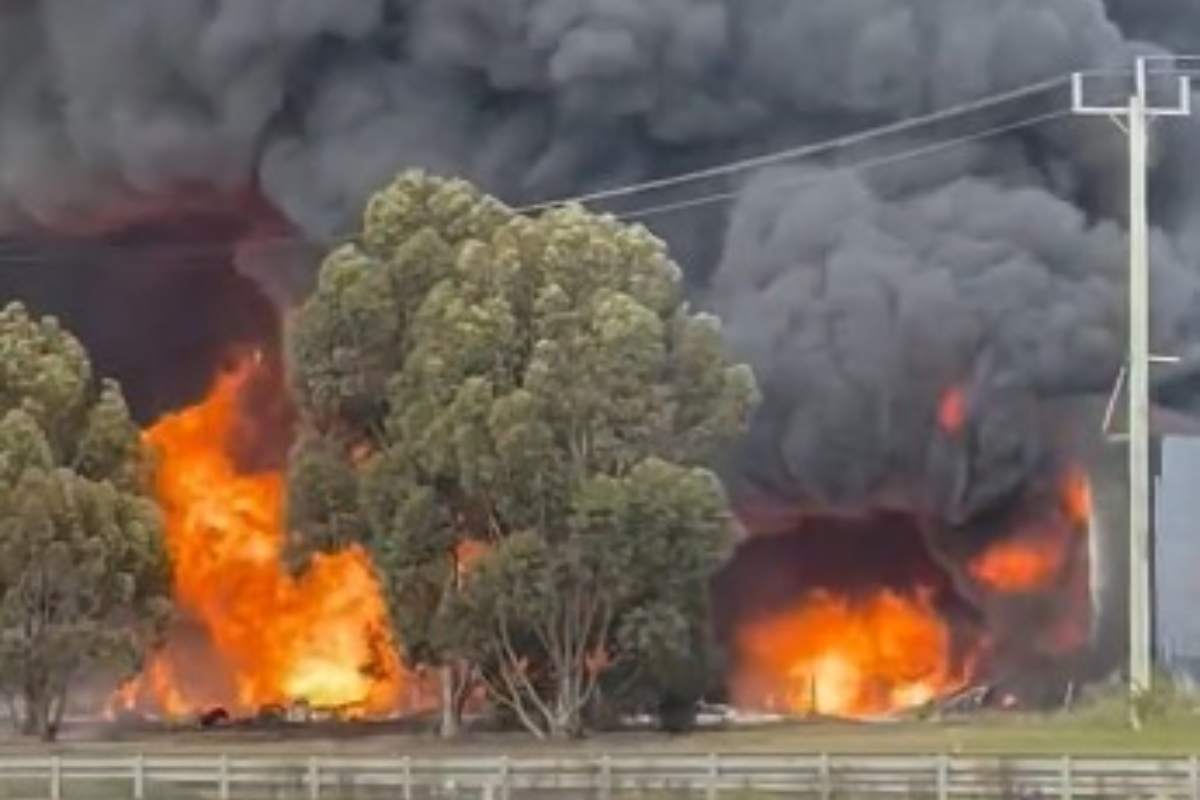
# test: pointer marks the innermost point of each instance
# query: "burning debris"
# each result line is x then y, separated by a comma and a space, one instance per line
214, 718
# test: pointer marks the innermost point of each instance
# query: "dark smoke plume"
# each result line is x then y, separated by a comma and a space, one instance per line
859, 297
111, 105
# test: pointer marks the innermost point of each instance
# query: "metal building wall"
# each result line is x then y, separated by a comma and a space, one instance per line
1177, 550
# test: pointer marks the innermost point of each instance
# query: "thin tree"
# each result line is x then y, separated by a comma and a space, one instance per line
84, 580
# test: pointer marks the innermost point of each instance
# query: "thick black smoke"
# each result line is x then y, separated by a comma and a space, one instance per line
1175, 23
859, 297
157, 306
110, 105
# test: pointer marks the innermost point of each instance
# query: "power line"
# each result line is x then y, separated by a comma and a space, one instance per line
182, 253
906, 155
809, 150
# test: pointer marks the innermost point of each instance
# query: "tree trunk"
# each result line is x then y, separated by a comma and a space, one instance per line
566, 726
13, 706
451, 718
567, 722
49, 731
462, 694
37, 713
29, 721
54, 718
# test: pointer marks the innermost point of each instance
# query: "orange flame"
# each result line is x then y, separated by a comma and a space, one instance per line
467, 553
851, 658
1034, 560
322, 637
952, 411
1076, 496
1020, 565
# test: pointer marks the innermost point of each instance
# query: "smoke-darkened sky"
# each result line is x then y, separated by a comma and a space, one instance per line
858, 297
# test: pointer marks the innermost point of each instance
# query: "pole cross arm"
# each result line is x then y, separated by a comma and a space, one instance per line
1181, 80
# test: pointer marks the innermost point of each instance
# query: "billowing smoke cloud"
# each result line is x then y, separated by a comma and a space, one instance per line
860, 297
862, 310
111, 105
1175, 23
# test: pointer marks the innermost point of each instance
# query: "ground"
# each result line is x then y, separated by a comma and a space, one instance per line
1099, 730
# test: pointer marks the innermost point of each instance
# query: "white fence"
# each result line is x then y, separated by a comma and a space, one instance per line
603, 777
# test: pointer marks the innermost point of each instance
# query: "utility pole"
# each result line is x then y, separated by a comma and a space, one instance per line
1134, 120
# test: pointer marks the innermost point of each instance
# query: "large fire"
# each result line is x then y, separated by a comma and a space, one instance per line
863, 621
322, 637
850, 657
260, 636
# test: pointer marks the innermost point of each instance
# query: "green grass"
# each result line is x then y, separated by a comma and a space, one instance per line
1014, 734
100, 790
1098, 727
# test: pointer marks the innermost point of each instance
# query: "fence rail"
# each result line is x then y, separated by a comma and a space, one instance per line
500, 778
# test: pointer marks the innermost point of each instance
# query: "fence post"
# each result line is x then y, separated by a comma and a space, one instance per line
139, 777
314, 778
1194, 777
223, 778
55, 778
504, 778
606, 777
943, 777
408, 778
1067, 790
823, 777
714, 774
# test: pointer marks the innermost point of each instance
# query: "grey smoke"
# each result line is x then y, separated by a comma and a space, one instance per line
110, 104
861, 310
859, 297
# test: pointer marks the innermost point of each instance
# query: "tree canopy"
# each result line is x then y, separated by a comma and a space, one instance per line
84, 580
516, 416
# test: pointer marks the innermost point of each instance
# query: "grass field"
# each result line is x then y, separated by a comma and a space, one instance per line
1099, 729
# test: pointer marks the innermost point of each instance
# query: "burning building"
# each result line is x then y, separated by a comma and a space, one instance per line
924, 491
874, 610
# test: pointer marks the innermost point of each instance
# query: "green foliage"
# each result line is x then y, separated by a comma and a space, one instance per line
84, 580
324, 493
1112, 706
1160, 701
536, 385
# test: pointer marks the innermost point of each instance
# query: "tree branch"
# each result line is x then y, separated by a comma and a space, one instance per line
512, 702
592, 679
510, 655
